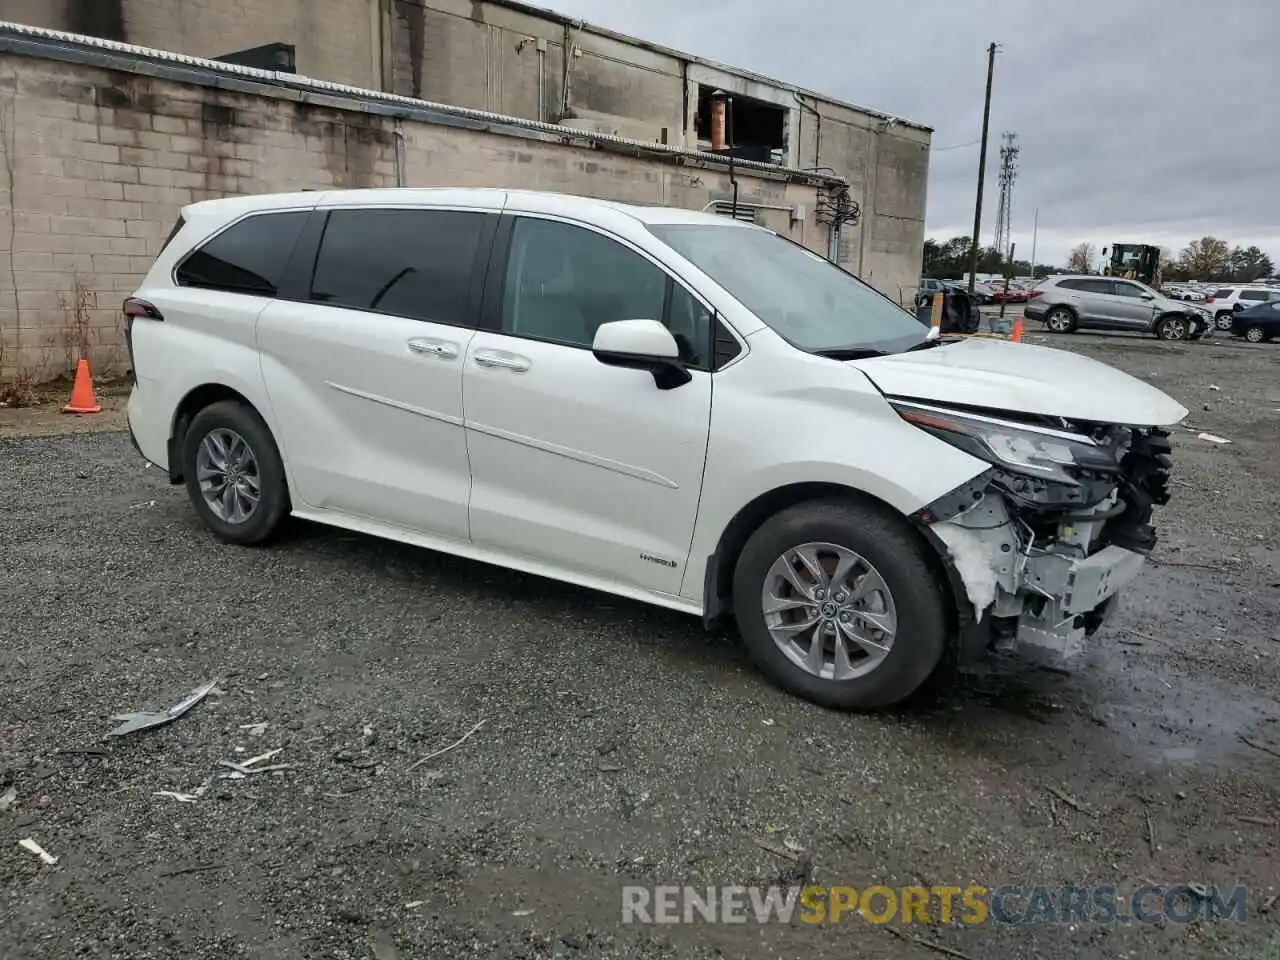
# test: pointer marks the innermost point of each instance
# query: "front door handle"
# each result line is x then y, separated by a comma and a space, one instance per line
501, 360
433, 348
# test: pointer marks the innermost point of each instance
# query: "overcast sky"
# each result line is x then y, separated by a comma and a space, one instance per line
1140, 120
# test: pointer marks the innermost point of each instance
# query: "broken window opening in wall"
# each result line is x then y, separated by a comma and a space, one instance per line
759, 128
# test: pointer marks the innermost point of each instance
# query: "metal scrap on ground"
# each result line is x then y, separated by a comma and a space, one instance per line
133, 722
457, 743
248, 768
32, 847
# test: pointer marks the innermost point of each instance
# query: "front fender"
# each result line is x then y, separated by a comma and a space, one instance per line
843, 435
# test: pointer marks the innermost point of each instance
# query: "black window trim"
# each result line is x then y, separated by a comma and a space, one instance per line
495, 288
205, 241
295, 286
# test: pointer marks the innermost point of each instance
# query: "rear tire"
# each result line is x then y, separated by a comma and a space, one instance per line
888, 583
234, 474
1060, 320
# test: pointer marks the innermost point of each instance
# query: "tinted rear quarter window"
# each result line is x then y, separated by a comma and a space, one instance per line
1071, 284
407, 263
1222, 294
248, 257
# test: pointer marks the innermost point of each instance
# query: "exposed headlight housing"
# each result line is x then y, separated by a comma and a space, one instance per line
1020, 448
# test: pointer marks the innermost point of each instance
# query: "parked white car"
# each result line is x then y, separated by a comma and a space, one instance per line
1225, 301
669, 406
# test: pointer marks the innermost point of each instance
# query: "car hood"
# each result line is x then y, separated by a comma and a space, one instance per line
999, 375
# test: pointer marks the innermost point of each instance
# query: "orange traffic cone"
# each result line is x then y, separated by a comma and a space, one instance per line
1017, 331
82, 399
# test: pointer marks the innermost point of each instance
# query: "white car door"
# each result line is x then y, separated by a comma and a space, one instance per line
363, 366
577, 465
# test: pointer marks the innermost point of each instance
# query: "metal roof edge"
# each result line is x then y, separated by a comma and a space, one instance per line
37, 42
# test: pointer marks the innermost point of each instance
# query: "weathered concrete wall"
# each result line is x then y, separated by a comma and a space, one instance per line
492, 55
98, 162
336, 40
486, 56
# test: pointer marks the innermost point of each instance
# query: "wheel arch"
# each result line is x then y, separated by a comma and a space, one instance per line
195, 400
718, 574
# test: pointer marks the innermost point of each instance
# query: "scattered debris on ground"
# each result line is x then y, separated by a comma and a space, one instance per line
135, 722
32, 847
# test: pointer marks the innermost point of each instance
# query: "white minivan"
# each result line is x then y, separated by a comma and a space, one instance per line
670, 406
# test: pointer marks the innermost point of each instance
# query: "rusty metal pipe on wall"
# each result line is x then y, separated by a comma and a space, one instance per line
719, 114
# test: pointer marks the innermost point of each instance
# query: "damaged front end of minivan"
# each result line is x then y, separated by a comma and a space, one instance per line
1042, 542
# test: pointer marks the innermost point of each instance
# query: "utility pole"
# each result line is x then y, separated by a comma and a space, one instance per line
1035, 232
982, 167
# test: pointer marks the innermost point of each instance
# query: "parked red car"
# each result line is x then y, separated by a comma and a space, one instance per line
1015, 293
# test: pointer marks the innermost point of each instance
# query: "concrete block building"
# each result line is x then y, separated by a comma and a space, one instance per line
134, 107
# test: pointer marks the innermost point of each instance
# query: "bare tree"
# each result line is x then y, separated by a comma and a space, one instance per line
1082, 257
1207, 259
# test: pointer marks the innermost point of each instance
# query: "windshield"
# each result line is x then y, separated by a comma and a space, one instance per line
803, 297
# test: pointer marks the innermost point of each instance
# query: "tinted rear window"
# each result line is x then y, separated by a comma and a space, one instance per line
248, 257
408, 263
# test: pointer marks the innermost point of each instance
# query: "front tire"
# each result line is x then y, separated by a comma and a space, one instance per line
234, 474
1223, 320
1172, 328
838, 604
1255, 335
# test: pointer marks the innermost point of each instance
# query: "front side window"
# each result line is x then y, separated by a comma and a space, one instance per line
406, 263
803, 297
249, 257
563, 282
1098, 286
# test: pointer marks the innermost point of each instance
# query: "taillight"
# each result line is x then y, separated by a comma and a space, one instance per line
1032, 294
1208, 299
133, 309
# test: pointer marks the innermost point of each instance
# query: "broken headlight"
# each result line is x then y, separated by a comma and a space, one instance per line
1021, 448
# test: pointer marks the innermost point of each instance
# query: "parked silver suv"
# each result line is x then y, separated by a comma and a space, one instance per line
1065, 304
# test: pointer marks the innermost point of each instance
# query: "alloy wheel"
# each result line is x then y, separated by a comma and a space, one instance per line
1059, 321
829, 611
1254, 335
1223, 321
228, 475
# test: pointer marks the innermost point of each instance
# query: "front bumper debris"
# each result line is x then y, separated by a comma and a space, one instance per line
1039, 576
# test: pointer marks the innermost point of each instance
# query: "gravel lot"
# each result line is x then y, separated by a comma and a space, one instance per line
620, 744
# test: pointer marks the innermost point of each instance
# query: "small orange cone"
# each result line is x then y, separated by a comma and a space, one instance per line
1017, 331
82, 399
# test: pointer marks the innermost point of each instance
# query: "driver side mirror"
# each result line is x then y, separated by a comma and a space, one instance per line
1148, 296
642, 345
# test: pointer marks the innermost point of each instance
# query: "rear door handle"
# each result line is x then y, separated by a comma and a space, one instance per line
427, 347
501, 360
